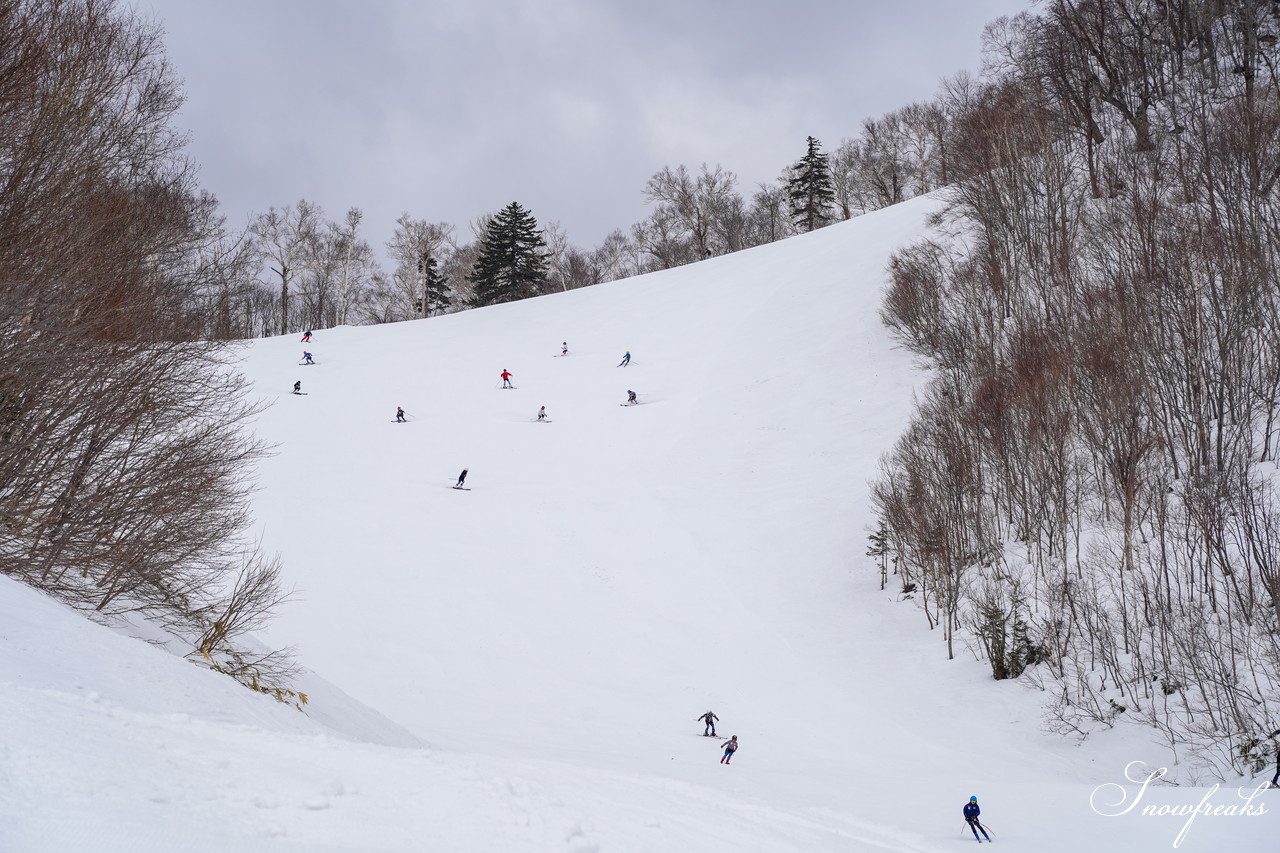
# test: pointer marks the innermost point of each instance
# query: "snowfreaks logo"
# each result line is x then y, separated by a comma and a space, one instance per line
1112, 800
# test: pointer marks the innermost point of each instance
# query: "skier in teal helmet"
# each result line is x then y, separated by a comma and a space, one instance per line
971, 813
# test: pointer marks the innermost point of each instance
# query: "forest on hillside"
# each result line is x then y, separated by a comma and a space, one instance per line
293, 268
1087, 493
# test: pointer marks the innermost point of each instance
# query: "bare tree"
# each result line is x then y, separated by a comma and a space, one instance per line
696, 204
287, 240
617, 256
558, 253
354, 262
123, 449
415, 246
769, 219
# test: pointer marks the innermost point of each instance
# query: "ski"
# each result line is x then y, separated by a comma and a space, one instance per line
463, 488
300, 393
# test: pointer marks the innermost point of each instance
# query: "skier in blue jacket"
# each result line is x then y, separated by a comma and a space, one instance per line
971, 813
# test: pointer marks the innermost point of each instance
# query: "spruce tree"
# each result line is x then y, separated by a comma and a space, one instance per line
810, 189
510, 265
437, 288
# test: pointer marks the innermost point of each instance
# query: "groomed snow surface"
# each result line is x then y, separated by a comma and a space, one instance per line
521, 665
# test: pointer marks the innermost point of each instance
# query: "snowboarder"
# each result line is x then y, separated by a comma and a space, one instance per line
971, 813
297, 387
306, 358
306, 336
730, 747
399, 414
564, 348
462, 478
631, 398
626, 359
542, 413
710, 729
506, 379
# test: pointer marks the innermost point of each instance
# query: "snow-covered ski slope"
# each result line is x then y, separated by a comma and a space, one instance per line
551, 635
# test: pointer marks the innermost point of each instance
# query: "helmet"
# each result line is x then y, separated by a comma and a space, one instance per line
973, 799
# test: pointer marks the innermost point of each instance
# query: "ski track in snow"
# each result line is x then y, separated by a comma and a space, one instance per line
520, 669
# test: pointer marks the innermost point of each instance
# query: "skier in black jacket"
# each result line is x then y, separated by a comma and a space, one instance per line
710, 719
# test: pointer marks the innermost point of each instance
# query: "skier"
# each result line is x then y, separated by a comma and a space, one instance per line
462, 478
306, 336
971, 812
506, 379
399, 414
626, 359
707, 256
564, 348
306, 358
631, 398
297, 387
730, 747
542, 413
1275, 780
710, 729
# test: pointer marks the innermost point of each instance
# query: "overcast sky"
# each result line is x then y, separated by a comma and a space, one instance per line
450, 109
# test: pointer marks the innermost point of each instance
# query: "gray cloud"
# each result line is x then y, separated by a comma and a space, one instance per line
450, 109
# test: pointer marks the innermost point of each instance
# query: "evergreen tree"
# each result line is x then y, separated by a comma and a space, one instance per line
437, 288
810, 189
510, 265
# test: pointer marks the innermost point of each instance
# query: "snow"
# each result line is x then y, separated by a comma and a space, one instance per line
519, 667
